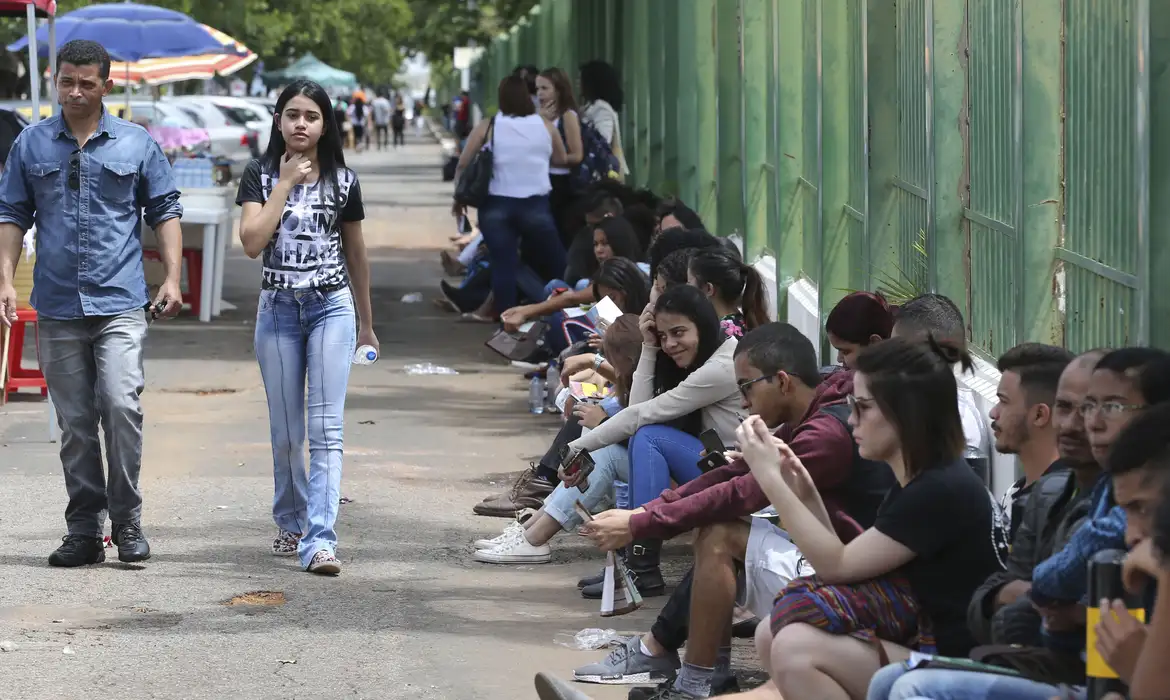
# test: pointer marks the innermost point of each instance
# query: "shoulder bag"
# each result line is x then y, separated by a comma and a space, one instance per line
472, 188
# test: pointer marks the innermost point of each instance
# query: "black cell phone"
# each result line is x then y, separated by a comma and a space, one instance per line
714, 447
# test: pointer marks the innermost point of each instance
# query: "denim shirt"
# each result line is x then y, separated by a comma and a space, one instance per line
89, 239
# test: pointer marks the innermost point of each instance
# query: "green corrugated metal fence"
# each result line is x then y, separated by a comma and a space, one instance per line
1012, 141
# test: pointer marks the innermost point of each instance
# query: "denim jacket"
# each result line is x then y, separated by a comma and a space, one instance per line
86, 204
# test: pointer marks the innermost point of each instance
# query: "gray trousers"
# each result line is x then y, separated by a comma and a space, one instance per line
93, 367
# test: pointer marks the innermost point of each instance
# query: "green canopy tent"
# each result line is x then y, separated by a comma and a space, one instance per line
312, 68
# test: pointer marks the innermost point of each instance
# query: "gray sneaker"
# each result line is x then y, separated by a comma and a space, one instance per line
627, 665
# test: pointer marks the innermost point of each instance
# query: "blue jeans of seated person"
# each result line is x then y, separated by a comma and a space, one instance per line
896, 682
659, 453
512, 224
611, 464
561, 335
306, 336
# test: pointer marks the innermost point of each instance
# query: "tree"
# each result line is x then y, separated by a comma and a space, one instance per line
440, 27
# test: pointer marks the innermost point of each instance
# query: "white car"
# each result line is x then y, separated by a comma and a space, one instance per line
229, 140
251, 114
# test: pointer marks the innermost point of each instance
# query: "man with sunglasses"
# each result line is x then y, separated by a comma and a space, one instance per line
85, 178
776, 368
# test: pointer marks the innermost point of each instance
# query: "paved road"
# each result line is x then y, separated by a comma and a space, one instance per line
410, 617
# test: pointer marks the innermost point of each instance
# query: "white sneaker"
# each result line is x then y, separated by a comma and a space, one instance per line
513, 527
515, 550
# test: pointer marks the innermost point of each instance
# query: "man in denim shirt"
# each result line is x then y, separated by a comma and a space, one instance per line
82, 178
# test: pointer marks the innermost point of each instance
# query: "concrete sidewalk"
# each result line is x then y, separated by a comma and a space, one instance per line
411, 615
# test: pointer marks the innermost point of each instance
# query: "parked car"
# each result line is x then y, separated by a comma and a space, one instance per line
228, 139
251, 114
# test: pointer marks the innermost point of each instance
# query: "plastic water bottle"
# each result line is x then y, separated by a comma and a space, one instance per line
552, 385
536, 395
365, 355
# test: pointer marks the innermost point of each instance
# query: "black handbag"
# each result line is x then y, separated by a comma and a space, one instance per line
472, 188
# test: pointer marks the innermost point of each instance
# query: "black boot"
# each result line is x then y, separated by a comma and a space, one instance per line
642, 561
643, 564
78, 550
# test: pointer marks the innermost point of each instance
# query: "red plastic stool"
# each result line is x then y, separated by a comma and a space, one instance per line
20, 377
194, 260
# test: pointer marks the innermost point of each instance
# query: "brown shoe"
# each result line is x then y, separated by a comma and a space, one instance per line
529, 491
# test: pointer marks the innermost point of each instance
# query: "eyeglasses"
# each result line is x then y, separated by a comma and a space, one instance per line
1108, 409
858, 403
75, 171
745, 386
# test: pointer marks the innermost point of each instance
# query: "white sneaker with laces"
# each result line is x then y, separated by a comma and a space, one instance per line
513, 527
515, 550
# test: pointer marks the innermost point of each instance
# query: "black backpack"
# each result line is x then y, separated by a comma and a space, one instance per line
868, 481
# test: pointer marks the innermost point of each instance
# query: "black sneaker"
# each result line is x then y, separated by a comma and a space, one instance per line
132, 544
78, 550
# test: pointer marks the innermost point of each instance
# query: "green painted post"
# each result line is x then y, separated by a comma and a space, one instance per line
686, 116
671, 96
1159, 286
643, 86
949, 259
793, 129
758, 118
707, 111
883, 142
730, 89
630, 76
657, 95
1043, 155
838, 248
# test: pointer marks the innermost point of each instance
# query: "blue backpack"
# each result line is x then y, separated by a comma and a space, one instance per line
598, 164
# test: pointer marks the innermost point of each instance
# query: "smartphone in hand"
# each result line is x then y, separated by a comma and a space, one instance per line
713, 446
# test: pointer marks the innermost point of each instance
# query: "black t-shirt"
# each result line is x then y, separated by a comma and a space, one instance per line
305, 250
956, 530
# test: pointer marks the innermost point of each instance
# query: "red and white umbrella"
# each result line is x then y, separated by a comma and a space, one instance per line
158, 71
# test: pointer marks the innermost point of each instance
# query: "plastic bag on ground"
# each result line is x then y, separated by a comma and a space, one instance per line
586, 639
427, 368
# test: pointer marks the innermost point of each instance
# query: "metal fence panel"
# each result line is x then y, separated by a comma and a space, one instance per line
1100, 251
994, 171
914, 179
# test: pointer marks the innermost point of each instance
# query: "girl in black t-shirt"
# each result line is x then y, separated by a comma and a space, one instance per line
302, 214
939, 528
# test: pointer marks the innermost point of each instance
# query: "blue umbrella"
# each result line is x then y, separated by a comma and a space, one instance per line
131, 32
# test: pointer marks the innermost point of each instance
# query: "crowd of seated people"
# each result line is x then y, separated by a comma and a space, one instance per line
851, 529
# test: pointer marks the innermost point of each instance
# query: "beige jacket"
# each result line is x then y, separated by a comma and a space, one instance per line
710, 388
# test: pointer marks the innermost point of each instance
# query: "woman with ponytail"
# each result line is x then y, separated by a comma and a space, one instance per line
735, 289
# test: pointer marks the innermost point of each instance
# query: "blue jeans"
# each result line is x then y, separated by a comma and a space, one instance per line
510, 225
306, 334
896, 682
612, 463
659, 453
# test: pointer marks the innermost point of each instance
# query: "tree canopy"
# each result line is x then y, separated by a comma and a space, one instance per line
370, 38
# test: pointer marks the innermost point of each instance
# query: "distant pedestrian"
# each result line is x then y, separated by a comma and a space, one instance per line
302, 211
398, 122
83, 178
382, 112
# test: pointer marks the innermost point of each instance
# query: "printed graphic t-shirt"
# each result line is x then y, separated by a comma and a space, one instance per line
305, 250
951, 522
